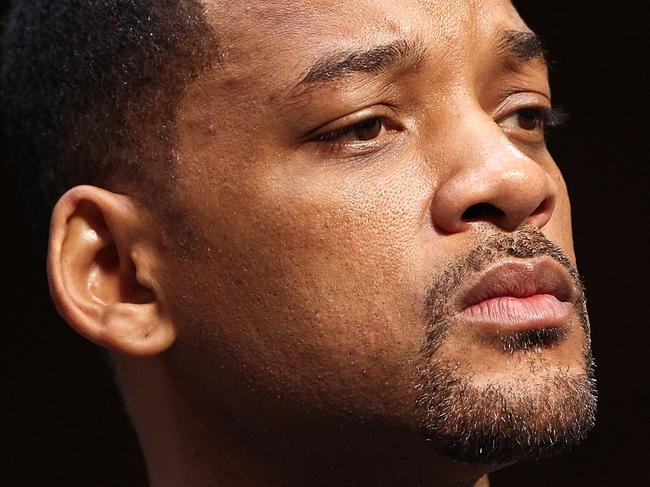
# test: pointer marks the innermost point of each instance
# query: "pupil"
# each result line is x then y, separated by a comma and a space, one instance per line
368, 129
529, 119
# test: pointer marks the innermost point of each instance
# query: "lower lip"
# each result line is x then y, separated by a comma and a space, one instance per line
515, 313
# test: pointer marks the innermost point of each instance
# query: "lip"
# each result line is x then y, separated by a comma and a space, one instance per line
519, 294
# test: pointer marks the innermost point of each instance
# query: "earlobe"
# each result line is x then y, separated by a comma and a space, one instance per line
100, 269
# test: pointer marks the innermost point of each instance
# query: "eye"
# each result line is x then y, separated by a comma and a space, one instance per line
363, 131
530, 118
533, 119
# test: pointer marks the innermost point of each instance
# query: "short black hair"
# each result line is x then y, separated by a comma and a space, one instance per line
90, 89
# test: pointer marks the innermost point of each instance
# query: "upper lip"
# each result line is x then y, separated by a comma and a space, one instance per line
519, 278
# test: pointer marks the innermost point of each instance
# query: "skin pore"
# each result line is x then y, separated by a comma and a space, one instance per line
337, 164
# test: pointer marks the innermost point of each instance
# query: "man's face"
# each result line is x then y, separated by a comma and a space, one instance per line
351, 178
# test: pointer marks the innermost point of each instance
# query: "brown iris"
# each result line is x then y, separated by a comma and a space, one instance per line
367, 130
529, 119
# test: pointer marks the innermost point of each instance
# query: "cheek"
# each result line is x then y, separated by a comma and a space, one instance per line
309, 286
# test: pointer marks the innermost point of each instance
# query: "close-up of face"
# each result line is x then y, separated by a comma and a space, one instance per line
372, 230
360, 244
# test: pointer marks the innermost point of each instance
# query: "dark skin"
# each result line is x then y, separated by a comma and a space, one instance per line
276, 345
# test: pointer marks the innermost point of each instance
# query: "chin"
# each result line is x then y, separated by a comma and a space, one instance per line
535, 408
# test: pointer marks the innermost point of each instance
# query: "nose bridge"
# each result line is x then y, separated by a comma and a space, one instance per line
489, 178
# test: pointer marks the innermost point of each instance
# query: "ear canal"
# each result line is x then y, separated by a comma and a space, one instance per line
127, 287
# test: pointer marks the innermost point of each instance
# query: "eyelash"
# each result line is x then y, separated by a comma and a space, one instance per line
548, 117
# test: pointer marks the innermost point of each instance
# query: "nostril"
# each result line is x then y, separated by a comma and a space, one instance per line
541, 215
482, 211
543, 206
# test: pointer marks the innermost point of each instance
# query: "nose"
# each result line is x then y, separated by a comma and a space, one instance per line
490, 180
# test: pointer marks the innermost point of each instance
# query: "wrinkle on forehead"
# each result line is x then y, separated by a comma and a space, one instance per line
271, 42
283, 37
292, 24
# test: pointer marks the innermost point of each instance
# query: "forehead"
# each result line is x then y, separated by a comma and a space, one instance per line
274, 30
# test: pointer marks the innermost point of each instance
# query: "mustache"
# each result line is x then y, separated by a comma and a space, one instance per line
527, 242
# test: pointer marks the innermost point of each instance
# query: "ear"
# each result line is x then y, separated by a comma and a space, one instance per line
101, 270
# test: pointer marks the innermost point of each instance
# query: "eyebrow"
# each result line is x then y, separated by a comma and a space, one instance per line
336, 66
521, 46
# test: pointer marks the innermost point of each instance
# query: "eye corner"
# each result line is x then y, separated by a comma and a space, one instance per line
555, 117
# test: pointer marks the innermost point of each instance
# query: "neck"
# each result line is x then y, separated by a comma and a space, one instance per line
183, 447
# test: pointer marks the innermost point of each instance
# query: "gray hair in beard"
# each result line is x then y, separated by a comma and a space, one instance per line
495, 424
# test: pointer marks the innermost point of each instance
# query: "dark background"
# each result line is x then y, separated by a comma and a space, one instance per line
63, 424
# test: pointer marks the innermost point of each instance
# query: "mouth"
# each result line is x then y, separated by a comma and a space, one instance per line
519, 295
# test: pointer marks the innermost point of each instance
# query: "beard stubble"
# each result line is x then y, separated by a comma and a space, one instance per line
498, 423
